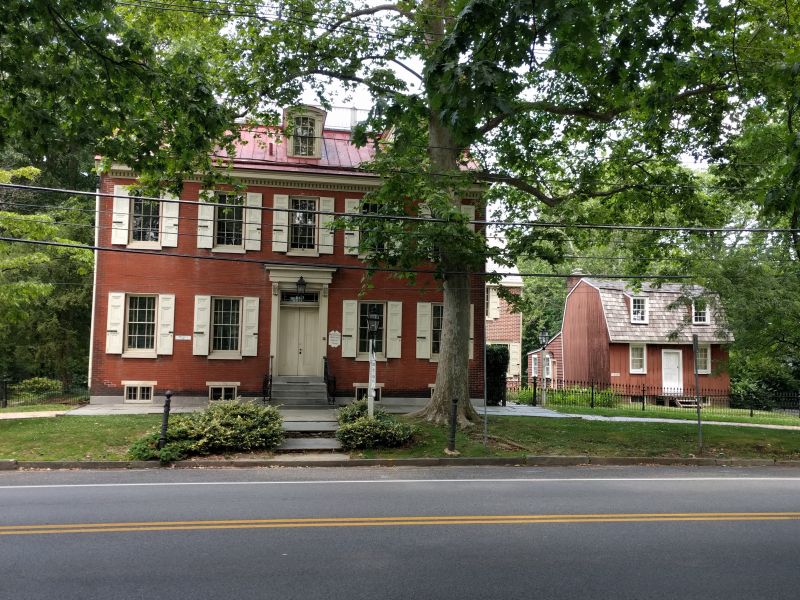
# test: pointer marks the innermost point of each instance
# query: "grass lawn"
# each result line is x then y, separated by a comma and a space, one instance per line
37, 407
72, 438
109, 437
513, 436
728, 415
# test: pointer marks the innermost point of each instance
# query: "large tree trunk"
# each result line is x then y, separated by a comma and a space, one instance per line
452, 374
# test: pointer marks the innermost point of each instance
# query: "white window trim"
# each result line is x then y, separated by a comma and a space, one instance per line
140, 352
434, 356
319, 124
232, 248
706, 348
365, 387
379, 356
303, 251
548, 365
146, 245
222, 384
643, 370
707, 319
646, 320
225, 354
138, 385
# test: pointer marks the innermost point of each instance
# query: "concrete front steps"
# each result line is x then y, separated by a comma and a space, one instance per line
310, 429
306, 392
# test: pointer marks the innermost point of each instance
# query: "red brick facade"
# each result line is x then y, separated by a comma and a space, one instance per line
175, 278
504, 326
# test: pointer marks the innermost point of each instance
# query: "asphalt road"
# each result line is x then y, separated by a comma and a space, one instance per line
435, 533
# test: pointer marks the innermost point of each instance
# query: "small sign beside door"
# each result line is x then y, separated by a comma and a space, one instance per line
334, 339
183, 338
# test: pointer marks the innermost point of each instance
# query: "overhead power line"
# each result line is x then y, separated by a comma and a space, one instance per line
491, 223
319, 265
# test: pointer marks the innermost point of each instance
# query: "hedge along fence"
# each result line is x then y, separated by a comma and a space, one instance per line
40, 390
496, 368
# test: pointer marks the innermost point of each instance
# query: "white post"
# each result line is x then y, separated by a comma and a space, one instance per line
371, 388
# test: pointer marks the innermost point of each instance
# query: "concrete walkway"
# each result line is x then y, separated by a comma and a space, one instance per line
296, 418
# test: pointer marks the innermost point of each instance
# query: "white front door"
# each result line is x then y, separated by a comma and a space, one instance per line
298, 345
672, 371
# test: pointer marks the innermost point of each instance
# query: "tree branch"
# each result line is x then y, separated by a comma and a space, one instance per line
345, 77
587, 112
369, 11
551, 201
395, 61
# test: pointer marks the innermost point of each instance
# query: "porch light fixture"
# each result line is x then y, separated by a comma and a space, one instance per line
543, 337
301, 286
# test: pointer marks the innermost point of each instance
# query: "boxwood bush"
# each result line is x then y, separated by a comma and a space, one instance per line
358, 432
229, 426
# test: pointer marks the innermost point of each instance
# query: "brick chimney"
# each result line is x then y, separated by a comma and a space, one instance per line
574, 279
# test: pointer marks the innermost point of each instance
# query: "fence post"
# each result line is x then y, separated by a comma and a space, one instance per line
644, 391
751, 405
535, 385
592, 400
798, 404
3, 393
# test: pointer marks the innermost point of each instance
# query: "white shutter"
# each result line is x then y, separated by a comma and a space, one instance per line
349, 328
394, 329
205, 220
326, 226
252, 219
250, 327
121, 216
280, 223
468, 210
115, 323
514, 350
494, 303
170, 215
423, 329
202, 325
166, 323
352, 237
471, 331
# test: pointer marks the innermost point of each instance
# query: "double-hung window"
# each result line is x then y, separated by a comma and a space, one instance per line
437, 320
302, 224
228, 221
700, 313
365, 309
145, 221
638, 358
303, 136
225, 325
222, 391
639, 310
704, 360
140, 326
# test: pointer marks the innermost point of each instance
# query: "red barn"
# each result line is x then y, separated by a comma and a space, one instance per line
613, 334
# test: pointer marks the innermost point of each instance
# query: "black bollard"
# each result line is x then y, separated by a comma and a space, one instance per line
451, 439
162, 439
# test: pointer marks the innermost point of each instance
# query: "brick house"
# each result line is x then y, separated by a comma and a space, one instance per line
504, 327
213, 295
615, 335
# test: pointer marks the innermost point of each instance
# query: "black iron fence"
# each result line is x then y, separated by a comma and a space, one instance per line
40, 392
624, 399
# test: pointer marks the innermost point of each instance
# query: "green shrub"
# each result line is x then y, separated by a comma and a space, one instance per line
365, 433
578, 396
38, 387
523, 396
230, 426
357, 410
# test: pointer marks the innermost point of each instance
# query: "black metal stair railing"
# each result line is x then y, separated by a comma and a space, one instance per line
266, 385
330, 381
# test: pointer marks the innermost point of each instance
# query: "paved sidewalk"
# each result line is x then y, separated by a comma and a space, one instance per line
32, 414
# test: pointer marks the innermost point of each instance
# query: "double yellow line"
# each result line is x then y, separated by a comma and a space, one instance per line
59, 528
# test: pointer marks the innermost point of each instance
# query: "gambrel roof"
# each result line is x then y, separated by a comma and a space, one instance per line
669, 308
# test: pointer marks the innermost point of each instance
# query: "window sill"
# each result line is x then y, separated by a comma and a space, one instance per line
140, 354
637, 372
145, 245
640, 323
296, 252
225, 356
365, 358
229, 249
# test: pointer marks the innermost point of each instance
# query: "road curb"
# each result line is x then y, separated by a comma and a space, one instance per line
503, 461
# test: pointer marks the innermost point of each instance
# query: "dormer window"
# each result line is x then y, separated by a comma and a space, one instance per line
700, 313
639, 310
304, 126
303, 137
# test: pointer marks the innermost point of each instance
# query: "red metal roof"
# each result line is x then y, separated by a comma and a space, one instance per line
259, 149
